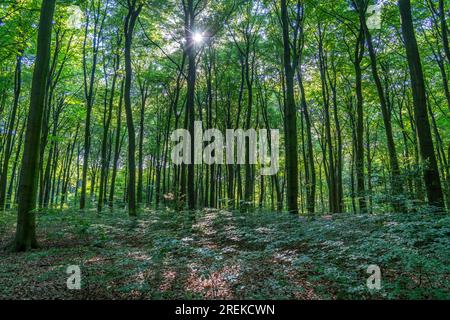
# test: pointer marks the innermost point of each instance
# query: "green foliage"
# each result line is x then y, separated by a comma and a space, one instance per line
259, 255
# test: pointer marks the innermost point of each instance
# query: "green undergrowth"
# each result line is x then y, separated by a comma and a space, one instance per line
217, 254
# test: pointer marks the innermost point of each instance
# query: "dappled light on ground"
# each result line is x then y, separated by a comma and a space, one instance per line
228, 255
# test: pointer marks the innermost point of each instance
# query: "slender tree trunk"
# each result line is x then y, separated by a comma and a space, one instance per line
332, 186
396, 178
89, 80
13, 173
190, 100
291, 118
338, 166
106, 125
67, 174
141, 150
130, 21
10, 133
359, 147
310, 170
116, 147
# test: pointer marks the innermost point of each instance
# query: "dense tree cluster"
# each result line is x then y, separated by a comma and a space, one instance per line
91, 90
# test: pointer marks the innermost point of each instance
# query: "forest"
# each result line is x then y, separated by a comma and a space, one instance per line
351, 96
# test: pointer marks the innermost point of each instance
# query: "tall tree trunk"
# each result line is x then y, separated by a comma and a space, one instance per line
190, 100
130, 22
396, 179
26, 224
249, 184
141, 149
426, 146
291, 118
106, 124
338, 166
89, 80
116, 147
359, 146
332, 186
310, 170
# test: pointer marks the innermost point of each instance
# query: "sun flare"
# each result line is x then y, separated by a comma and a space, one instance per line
198, 37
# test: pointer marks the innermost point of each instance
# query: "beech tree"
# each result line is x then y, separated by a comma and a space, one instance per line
28, 185
426, 144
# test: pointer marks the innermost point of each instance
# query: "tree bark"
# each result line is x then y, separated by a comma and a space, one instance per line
290, 119
106, 124
26, 224
130, 22
396, 179
359, 146
116, 147
190, 100
426, 146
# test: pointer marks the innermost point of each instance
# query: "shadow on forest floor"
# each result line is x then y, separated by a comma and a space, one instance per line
228, 255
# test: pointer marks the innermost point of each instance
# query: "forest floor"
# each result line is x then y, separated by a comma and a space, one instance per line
228, 255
